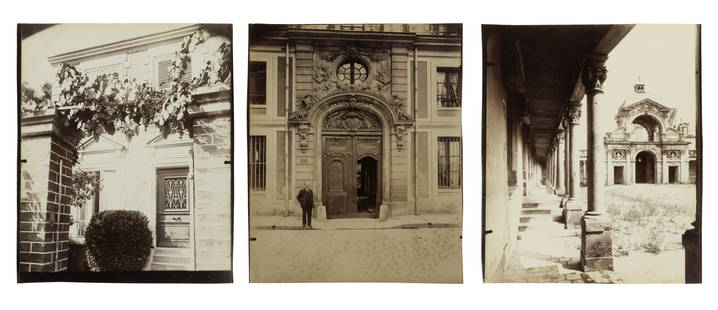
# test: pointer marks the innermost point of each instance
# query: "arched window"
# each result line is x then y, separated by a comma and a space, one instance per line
352, 71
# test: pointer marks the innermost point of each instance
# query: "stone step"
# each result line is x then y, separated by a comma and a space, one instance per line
173, 251
172, 259
530, 219
533, 265
167, 266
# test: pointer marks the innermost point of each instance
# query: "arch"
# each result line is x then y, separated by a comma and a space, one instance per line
652, 125
645, 167
382, 121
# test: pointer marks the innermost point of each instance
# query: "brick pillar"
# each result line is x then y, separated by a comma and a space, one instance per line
596, 242
47, 153
210, 117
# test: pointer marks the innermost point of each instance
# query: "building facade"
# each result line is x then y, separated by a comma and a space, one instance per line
182, 183
648, 146
368, 115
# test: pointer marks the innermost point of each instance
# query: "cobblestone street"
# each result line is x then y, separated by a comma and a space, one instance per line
357, 255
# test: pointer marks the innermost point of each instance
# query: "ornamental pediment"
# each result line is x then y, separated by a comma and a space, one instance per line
646, 106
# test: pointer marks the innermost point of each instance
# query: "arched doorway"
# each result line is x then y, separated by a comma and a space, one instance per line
645, 168
351, 168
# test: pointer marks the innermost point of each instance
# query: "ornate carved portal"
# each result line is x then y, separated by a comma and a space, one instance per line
352, 164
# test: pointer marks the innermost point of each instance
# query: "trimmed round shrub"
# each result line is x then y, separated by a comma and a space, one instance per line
118, 240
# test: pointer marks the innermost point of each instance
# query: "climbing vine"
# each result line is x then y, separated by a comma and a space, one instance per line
107, 104
84, 185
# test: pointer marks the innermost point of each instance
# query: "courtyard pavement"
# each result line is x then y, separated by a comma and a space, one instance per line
293, 222
335, 253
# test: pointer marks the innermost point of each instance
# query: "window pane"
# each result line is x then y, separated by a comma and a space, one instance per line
257, 84
448, 87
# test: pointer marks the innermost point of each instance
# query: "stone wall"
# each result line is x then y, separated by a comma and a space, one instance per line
47, 154
212, 172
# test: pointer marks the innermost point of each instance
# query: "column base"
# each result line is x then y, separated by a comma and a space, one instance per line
320, 212
572, 212
692, 245
384, 213
596, 245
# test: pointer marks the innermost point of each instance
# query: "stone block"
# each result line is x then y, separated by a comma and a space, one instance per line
384, 213
572, 213
320, 212
596, 243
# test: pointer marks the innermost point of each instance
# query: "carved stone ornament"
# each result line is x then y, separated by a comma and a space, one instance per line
593, 75
574, 114
673, 154
400, 132
350, 50
303, 131
352, 120
618, 154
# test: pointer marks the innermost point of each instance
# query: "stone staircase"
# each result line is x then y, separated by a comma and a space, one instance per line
178, 259
539, 216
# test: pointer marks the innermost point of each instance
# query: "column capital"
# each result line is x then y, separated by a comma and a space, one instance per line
574, 113
594, 73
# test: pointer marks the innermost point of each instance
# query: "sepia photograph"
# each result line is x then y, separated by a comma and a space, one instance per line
125, 152
592, 153
355, 153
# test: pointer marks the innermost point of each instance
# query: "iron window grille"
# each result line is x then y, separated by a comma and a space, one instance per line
257, 84
449, 172
257, 162
448, 87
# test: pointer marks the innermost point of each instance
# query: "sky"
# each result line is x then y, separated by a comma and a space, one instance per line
663, 56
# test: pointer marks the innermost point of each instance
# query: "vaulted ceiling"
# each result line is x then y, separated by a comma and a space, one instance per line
543, 64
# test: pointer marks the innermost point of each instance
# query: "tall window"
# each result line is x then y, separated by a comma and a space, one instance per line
257, 162
352, 71
257, 84
449, 162
83, 215
448, 87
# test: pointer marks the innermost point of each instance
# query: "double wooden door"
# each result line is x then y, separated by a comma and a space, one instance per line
351, 175
173, 209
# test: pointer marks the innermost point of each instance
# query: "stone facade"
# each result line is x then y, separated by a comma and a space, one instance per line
648, 145
398, 87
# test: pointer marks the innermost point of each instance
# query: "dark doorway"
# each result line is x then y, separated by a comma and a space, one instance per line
618, 175
645, 168
673, 174
692, 171
366, 185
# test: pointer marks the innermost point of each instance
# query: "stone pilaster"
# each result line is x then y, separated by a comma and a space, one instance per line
47, 154
211, 121
596, 248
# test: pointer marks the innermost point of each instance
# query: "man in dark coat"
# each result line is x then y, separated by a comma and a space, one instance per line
306, 200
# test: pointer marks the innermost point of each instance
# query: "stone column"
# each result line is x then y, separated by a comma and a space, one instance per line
211, 132
574, 206
560, 190
566, 160
47, 154
596, 251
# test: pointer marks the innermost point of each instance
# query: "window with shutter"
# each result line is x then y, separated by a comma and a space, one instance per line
164, 77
